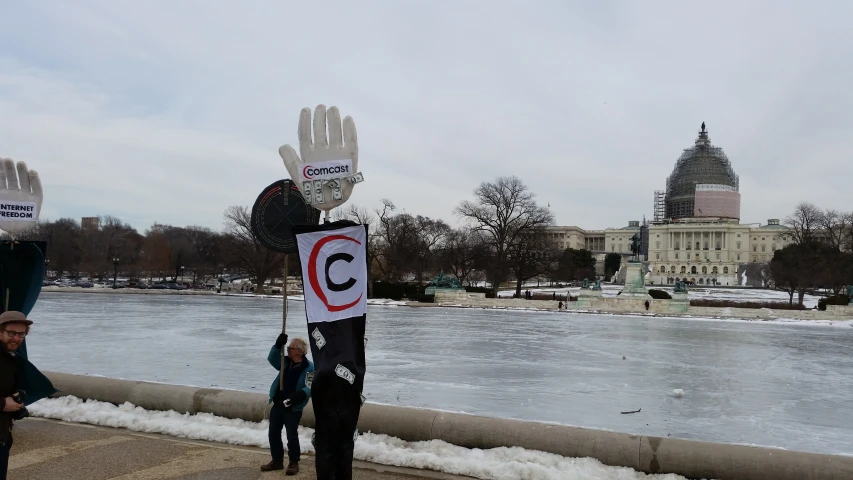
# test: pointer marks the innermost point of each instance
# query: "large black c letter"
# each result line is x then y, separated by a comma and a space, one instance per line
338, 287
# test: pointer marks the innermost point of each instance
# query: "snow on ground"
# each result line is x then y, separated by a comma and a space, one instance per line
695, 293
497, 463
385, 302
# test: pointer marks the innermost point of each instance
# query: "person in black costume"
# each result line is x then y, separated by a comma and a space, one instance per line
337, 405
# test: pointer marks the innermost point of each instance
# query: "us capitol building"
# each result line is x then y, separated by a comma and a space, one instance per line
696, 234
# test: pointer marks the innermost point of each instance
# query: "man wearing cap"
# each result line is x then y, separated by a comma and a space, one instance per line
14, 326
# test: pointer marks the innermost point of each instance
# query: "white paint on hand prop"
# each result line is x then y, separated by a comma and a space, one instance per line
334, 266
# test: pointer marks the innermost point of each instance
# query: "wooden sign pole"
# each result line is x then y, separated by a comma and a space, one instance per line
283, 320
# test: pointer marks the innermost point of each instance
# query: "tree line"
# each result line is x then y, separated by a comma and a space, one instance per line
504, 236
820, 255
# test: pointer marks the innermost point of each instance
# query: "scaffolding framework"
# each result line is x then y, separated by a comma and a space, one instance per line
660, 206
703, 163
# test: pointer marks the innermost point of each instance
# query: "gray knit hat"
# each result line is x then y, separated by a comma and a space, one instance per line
14, 317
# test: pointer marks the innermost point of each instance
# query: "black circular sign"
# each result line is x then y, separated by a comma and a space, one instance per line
278, 208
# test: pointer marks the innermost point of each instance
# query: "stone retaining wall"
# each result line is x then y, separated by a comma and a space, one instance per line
647, 454
662, 307
127, 291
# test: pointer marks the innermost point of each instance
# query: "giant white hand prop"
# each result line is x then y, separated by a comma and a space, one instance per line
328, 169
20, 197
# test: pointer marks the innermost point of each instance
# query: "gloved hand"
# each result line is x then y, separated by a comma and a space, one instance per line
24, 189
340, 145
278, 397
281, 340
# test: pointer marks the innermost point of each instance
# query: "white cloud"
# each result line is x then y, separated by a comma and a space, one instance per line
173, 111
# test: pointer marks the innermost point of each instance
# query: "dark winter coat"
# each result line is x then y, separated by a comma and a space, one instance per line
8, 387
303, 383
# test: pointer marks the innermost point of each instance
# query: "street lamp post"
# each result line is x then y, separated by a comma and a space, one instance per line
221, 274
115, 271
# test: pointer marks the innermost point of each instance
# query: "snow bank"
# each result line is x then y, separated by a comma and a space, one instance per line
301, 298
696, 292
497, 463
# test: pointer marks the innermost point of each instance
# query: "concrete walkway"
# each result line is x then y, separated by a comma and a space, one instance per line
53, 450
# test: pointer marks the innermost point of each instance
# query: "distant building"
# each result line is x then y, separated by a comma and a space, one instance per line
610, 240
599, 242
696, 235
92, 223
701, 239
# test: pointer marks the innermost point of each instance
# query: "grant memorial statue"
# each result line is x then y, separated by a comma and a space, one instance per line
445, 288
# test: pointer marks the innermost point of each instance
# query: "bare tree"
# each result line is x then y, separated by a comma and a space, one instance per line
155, 255
355, 213
398, 242
804, 224
833, 228
429, 234
504, 210
461, 252
180, 248
532, 254
382, 232
63, 245
112, 239
207, 255
255, 259
364, 216
847, 242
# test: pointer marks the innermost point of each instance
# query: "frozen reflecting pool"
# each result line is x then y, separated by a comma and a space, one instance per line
788, 386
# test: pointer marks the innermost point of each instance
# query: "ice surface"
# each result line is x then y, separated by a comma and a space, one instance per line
763, 383
497, 463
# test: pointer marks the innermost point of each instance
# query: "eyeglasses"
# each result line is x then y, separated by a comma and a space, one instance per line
294, 348
14, 334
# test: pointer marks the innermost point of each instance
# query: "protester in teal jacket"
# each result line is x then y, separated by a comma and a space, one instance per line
288, 398
302, 384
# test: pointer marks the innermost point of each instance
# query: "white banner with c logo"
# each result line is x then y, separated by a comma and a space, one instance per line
334, 273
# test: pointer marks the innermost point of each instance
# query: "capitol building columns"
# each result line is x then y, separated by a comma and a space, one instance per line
694, 250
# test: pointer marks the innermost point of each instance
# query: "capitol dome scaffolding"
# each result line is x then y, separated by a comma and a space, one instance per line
703, 164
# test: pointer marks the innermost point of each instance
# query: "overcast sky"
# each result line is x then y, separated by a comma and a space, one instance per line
171, 111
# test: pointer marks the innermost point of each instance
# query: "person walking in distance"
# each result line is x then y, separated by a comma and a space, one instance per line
288, 398
14, 326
